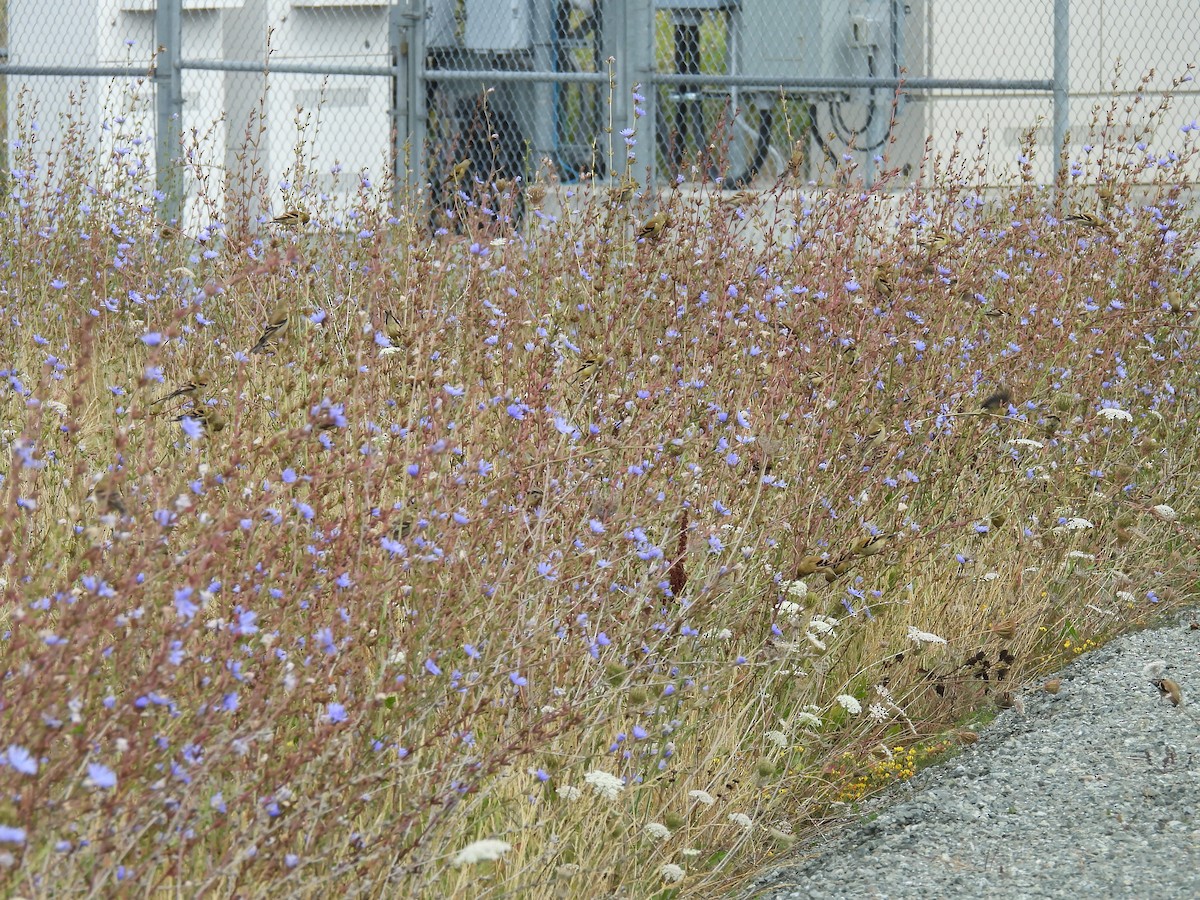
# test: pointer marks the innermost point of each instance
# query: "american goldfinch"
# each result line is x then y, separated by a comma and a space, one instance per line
198, 382
107, 497
874, 439
1086, 219
810, 565
795, 164
998, 400
1106, 193
885, 283
587, 370
403, 528
623, 192
937, 242
277, 323
653, 227
457, 173
209, 418
292, 218
870, 545
393, 328
1051, 425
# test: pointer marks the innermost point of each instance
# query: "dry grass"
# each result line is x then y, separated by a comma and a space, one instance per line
429, 576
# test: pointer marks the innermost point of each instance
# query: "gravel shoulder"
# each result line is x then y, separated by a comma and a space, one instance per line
1090, 792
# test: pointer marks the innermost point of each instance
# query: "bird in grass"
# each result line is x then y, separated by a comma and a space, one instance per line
870, 545
998, 400
107, 497
457, 172
210, 420
1087, 220
393, 328
292, 218
277, 323
199, 381
795, 166
874, 439
586, 370
937, 242
885, 282
623, 192
653, 227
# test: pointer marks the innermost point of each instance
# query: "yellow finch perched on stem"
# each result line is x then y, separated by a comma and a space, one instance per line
653, 227
586, 370
393, 328
277, 323
458, 172
937, 242
870, 545
623, 192
198, 382
795, 165
1087, 220
292, 218
885, 282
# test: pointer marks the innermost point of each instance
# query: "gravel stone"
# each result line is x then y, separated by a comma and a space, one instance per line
1091, 792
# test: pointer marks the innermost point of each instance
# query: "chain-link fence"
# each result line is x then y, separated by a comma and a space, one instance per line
294, 100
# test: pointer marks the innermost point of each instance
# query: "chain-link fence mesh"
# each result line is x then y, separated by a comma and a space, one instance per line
479, 93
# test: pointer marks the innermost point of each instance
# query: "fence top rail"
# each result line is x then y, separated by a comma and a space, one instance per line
78, 71
283, 68
812, 83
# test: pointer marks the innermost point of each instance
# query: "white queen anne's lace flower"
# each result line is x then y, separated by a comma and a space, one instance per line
822, 625
790, 612
1075, 523
741, 819
849, 703
605, 784
481, 851
923, 637
808, 720
702, 797
1164, 512
1113, 413
657, 831
797, 589
671, 873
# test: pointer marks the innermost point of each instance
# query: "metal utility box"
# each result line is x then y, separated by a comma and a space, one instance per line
119, 33
338, 127
497, 25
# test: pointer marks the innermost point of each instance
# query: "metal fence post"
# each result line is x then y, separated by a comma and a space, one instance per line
1062, 77
168, 101
407, 34
398, 53
629, 28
